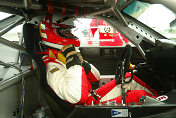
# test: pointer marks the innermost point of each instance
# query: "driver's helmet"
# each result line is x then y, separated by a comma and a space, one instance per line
55, 35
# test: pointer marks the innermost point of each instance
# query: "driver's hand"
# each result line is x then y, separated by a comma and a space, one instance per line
85, 64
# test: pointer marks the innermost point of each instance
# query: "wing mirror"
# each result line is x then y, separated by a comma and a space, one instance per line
173, 23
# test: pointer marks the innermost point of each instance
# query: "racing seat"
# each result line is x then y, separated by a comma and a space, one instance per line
59, 107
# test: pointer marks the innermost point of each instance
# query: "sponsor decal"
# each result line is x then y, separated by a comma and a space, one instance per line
59, 42
107, 29
54, 70
162, 98
119, 112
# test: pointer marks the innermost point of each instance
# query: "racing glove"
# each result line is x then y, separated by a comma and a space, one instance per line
85, 64
71, 56
92, 73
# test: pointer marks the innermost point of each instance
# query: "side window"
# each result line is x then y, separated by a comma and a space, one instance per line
10, 33
8, 54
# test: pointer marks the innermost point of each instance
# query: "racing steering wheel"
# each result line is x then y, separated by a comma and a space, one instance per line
123, 65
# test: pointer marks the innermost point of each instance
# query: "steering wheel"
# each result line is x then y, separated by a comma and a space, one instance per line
123, 64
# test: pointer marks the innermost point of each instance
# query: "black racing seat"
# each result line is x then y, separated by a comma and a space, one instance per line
59, 107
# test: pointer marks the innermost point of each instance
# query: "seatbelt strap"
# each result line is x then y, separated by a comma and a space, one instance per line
95, 96
50, 7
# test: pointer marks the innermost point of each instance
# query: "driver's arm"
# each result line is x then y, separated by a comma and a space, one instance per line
69, 84
92, 73
68, 81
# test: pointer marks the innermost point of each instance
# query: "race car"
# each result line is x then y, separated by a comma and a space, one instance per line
138, 32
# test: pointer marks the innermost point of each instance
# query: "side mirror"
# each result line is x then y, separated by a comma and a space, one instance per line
173, 23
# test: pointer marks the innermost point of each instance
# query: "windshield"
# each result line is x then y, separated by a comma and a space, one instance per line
156, 16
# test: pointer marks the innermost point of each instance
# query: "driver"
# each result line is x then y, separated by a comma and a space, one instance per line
70, 77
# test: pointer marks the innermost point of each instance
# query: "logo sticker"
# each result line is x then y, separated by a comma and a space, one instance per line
54, 70
107, 29
119, 112
162, 98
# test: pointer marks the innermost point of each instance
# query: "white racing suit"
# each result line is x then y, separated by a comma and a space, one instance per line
73, 85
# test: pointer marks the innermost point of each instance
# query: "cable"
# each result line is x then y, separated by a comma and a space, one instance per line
22, 60
20, 105
21, 111
6, 65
